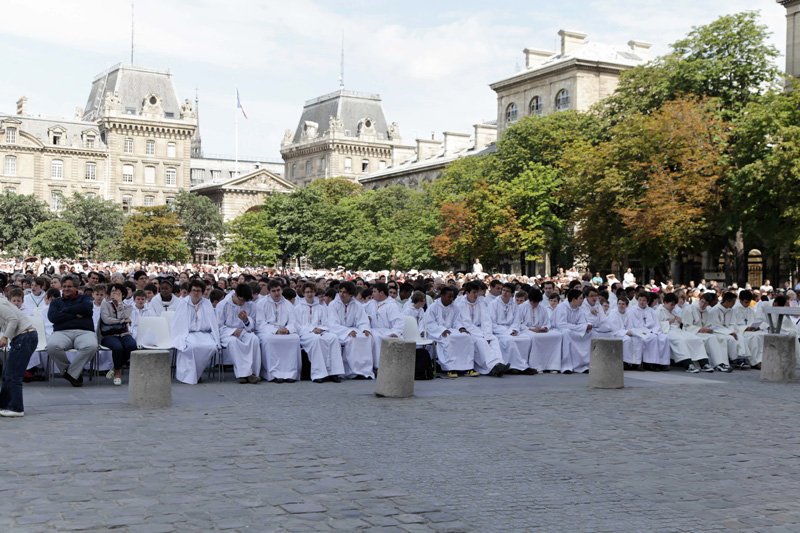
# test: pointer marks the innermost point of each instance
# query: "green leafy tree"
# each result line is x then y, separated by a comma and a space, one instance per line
154, 234
19, 214
95, 219
200, 219
250, 241
56, 239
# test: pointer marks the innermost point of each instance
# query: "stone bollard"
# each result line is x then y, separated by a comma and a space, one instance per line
779, 358
605, 364
150, 379
396, 373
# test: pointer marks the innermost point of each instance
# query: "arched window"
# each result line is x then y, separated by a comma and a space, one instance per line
562, 100
535, 107
511, 113
57, 169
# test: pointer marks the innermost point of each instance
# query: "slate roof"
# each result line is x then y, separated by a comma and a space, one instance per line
73, 129
132, 84
348, 106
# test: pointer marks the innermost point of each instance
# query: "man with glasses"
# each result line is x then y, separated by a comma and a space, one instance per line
195, 334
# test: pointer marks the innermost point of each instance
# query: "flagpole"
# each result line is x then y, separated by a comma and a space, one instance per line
236, 135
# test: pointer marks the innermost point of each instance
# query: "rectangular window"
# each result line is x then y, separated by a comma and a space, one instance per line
216, 175
170, 149
170, 201
57, 200
57, 139
127, 173
127, 202
128, 145
11, 135
149, 201
90, 141
57, 169
381, 165
171, 176
10, 190
149, 175
348, 164
308, 168
150, 148
10, 166
196, 176
91, 171
365, 165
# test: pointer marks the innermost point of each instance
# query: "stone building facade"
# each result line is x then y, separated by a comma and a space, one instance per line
579, 75
239, 194
343, 133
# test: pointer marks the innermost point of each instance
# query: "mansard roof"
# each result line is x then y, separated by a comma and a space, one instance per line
349, 107
132, 84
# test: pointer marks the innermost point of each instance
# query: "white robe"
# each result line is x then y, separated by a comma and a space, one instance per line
716, 344
280, 354
476, 319
682, 344
157, 307
195, 336
33, 304
244, 351
744, 318
576, 345
455, 352
616, 326
655, 344
514, 347
386, 321
323, 349
545, 351
725, 319
357, 351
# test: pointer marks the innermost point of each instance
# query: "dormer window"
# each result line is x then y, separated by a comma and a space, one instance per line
90, 141
56, 134
56, 139
11, 135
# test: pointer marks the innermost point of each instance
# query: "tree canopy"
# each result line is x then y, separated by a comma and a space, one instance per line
154, 234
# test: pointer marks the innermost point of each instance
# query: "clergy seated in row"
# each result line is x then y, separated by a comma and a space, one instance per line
164, 301
235, 317
687, 350
195, 333
385, 318
751, 330
514, 346
728, 320
455, 348
277, 334
699, 319
570, 318
349, 322
477, 320
316, 338
535, 322
655, 352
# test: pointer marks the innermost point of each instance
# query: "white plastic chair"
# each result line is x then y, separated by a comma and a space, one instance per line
153, 333
411, 332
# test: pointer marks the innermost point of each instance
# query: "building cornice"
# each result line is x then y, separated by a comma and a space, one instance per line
559, 68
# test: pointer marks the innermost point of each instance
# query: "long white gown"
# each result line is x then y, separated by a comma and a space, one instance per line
456, 351
323, 349
477, 320
576, 342
744, 318
515, 348
356, 351
682, 344
616, 326
655, 348
386, 321
244, 351
545, 351
280, 354
195, 336
716, 345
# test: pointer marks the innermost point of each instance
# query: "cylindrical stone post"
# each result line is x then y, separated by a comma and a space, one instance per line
779, 358
150, 379
396, 373
605, 364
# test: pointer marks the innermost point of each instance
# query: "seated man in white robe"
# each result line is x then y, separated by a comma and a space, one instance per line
163, 301
647, 328
752, 331
317, 339
477, 320
235, 317
349, 322
545, 354
698, 320
619, 325
280, 343
576, 345
686, 349
514, 347
454, 346
195, 334
592, 307
386, 320
725, 324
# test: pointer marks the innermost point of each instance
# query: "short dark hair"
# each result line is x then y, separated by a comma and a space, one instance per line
670, 297
151, 287
16, 292
573, 293
244, 292
535, 295
746, 295
216, 295
289, 293
381, 287
729, 297
197, 282
349, 287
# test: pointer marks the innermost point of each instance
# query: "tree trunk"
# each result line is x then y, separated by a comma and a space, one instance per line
741, 258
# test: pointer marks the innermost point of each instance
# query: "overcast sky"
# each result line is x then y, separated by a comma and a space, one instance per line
431, 61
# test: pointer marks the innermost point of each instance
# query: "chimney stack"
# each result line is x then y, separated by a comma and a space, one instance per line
570, 40
640, 48
21, 104
535, 57
485, 134
427, 148
455, 142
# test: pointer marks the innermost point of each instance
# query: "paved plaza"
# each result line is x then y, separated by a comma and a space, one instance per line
670, 452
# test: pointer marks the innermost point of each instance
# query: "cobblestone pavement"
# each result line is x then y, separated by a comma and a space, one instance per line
670, 452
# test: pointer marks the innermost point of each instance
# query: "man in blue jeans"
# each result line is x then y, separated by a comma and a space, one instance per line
73, 328
21, 338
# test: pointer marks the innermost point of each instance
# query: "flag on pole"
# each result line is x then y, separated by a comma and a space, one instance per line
239, 104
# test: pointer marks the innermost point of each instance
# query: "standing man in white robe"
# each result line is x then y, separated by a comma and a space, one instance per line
514, 347
686, 349
545, 354
321, 345
455, 349
386, 320
647, 328
276, 330
236, 323
697, 320
195, 334
570, 319
349, 322
477, 320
